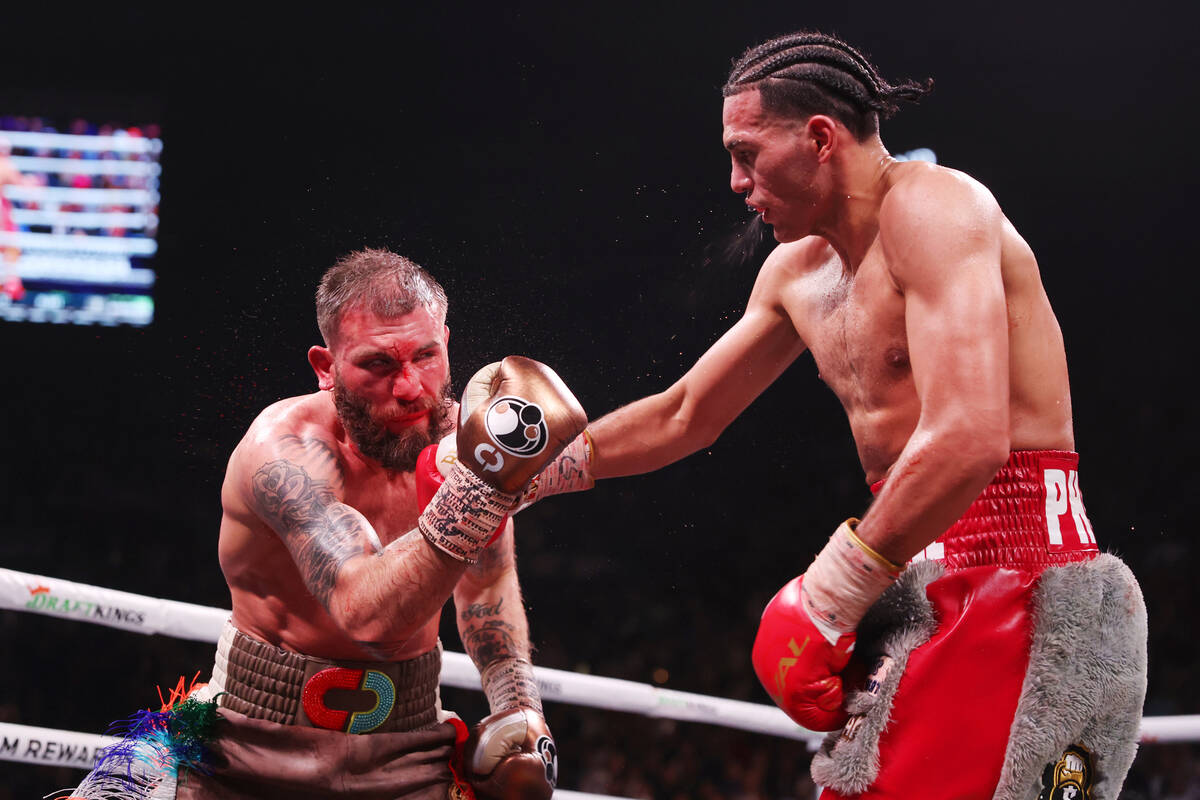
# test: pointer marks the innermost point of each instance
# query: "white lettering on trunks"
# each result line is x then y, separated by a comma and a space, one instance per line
1064, 508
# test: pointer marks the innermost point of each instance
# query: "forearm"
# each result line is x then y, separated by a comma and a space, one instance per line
381, 600
495, 632
644, 436
491, 619
935, 479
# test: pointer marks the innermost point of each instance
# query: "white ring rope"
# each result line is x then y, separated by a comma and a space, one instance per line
48, 747
21, 591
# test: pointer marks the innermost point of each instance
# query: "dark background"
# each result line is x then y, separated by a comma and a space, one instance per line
560, 171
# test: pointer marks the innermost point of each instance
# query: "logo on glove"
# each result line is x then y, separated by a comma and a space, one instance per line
517, 426
544, 747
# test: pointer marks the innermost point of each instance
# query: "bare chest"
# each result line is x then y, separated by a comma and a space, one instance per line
854, 328
388, 502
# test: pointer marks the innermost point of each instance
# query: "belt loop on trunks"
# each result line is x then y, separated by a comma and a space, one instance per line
266, 682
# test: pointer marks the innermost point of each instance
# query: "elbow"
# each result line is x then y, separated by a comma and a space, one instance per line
978, 447
983, 449
693, 426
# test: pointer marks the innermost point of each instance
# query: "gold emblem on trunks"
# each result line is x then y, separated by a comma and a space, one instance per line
1069, 778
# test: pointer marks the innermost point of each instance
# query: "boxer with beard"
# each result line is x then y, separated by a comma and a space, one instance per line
372, 437
338, 573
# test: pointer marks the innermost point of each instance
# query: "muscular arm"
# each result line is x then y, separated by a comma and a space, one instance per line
663, 428
379, 598
490, 615
942, 241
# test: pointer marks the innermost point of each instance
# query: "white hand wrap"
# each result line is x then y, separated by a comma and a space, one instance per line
509, 683
463, 515
570, 472
843, 581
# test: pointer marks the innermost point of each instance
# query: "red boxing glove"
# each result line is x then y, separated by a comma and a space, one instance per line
797, 665
806, 633
428, 479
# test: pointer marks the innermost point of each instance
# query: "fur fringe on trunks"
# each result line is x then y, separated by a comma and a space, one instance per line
1084, 686
155, 747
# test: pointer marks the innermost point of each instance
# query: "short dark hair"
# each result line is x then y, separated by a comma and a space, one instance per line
807, 73
378, 281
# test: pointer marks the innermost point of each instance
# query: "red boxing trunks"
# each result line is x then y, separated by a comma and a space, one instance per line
1008, 662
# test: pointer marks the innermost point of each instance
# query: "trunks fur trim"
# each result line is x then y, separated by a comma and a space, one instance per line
898, 623
1086, 679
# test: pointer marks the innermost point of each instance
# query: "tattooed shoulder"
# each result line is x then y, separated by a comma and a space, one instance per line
316, 453
321, 532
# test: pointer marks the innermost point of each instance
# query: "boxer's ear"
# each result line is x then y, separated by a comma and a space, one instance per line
321, 359
822, 132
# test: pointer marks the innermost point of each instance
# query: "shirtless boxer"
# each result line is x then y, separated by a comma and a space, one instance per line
338, 576
1009, 659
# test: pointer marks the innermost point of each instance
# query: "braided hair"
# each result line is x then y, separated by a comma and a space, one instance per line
807, 73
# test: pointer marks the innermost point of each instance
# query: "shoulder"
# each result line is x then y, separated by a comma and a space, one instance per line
790, 262
928, 194
309, 419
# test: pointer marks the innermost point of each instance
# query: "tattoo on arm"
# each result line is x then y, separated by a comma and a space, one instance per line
321, 533
482, 610
316, 453
488, 641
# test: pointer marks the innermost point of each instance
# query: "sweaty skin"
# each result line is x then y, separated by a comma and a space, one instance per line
921, 305
305, 516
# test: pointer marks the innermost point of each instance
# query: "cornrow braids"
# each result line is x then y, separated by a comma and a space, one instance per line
810, 73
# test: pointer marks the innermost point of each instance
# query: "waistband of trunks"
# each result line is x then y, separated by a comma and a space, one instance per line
1030, 515
263, 681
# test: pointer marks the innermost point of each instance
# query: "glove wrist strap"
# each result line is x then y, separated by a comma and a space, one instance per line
509, 683
843, 582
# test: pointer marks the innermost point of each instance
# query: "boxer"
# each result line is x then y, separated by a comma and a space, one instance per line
1009, 661
339, 556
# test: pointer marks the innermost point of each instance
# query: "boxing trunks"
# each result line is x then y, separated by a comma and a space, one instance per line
287, 726
1008, 661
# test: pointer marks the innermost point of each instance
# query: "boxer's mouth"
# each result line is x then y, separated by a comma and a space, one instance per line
408, 420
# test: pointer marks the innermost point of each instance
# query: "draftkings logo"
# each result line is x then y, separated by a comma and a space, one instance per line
43, 600
1069, 778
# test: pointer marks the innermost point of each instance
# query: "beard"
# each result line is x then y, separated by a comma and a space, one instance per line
395, 451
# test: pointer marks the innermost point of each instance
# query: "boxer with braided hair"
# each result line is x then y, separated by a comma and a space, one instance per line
966, 638
812, 73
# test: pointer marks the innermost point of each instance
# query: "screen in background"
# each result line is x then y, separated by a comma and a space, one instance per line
78, 220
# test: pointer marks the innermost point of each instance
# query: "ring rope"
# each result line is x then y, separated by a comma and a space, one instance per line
48, 747
20, 591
